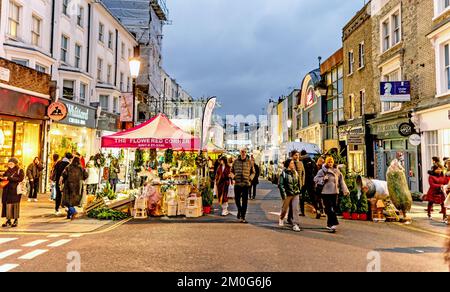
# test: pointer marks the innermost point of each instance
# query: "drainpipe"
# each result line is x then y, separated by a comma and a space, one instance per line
89, 39
116, 59
52, 35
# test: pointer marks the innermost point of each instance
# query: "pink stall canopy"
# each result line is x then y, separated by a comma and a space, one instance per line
157, 133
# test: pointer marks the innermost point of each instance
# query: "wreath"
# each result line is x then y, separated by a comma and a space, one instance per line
99, 160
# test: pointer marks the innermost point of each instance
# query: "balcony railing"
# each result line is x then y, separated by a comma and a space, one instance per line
160, 9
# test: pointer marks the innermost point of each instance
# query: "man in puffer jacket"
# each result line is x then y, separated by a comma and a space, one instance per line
242, 172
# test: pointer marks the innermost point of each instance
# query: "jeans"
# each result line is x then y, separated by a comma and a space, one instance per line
291, 204
58, 198
113, 182
241, 193
34, 188
252, 191
72, 211
330, 202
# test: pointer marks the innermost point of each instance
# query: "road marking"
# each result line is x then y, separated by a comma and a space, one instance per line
33, 254
54, 235
59, 242
7, 267
8, 253
5, 240
76, 235
423, 230
275, 213
35, 243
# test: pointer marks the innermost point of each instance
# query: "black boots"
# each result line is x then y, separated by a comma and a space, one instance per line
8, 224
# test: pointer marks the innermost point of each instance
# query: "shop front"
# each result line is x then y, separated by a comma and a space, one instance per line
75, 133
391, 141
435, 128
355, 134
22, 121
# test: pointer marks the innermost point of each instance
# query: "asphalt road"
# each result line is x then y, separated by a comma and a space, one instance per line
216, 244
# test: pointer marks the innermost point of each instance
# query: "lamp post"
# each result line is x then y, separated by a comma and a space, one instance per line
135, 68
289, 125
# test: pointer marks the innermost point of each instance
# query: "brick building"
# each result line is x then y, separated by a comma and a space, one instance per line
433, 112
359, 101
401, 51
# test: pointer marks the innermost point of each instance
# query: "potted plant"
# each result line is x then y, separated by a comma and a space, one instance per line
346, 207
363, 207
207, 198
354, 200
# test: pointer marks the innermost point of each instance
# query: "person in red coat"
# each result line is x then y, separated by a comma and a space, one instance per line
436, 195
223, 182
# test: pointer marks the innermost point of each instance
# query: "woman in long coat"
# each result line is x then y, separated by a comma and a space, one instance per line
10, 199
435, 194
73, 177
223, 183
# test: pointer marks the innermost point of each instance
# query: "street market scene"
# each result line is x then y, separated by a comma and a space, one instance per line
273, 146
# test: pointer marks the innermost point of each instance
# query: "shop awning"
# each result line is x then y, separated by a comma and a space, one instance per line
157, 133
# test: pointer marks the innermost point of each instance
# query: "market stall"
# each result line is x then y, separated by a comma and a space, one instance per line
164, 174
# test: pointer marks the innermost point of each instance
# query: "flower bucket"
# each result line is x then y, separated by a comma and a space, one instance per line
347, 215
363, 217
355, 216
207, 210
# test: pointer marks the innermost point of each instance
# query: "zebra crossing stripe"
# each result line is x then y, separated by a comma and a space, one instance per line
8, 253
7, 267
5, 240
33, 254
59, 243
35, 243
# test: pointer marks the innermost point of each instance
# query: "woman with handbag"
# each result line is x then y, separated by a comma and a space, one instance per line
12, 192
73, 176
435, 194
222, 181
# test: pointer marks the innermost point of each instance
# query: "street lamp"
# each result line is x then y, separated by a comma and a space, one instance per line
135, 68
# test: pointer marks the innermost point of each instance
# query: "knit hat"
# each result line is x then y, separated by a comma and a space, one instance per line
329, 160
13, 160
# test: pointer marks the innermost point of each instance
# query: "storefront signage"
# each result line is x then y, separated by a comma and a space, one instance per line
79, 115
356, 140
57, 111
108, 122
415, 140
397, 91
5, 74
23, 105
406, 129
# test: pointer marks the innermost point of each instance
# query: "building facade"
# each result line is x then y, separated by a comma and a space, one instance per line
359, 102
401, 51
433, 113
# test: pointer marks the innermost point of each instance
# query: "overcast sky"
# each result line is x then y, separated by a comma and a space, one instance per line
246, 51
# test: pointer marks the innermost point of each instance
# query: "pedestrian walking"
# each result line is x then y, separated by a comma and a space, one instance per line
290, 190
243, 173
72, 178
435, 194
331, 182
309, 190
34, 172
93, 177
255, 181
55, 159
13, 190
59, 169
222, 181
300, 168
114, 170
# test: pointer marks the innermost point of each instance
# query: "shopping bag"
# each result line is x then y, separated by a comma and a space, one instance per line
216, 193
231, 192
447, 202
3, 184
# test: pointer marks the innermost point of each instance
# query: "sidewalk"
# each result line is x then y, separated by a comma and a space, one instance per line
39, 217
421, 221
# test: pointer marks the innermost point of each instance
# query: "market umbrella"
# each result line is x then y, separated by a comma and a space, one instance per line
157, 133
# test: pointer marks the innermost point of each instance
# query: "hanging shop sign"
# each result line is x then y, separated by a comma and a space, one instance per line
415, 140
126, 107
57, 111
109, 122
406, 129
397, 91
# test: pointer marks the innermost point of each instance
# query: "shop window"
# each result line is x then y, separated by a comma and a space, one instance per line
6, 143
68, 89
21, 62
41, 68
83, 90
446, 143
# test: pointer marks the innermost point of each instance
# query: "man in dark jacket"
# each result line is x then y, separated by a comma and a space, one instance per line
243, 173
255, 181
59, 169
308, 189
34, 172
